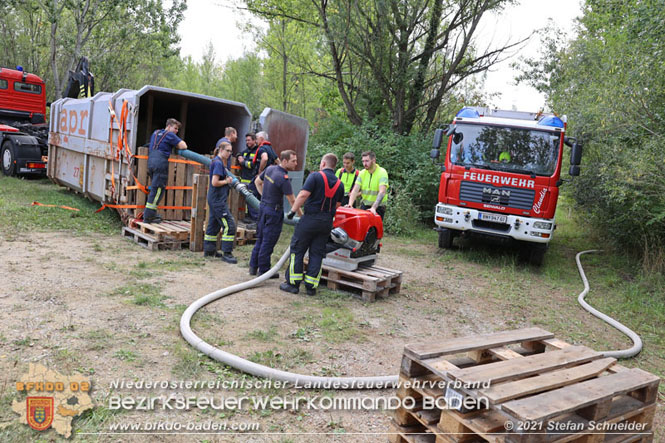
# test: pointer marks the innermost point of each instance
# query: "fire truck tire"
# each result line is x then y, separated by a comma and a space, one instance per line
8, 156
445, 238
536, 254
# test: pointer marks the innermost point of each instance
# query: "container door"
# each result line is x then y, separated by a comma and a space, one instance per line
287, 131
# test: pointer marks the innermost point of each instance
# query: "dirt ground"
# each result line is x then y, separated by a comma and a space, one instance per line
72, 304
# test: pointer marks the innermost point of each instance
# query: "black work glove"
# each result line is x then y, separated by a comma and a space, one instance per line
290, 215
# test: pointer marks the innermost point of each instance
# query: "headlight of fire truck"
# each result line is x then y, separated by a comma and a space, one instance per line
542, 225
444, 210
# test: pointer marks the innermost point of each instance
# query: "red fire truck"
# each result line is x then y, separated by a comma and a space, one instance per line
23, 127
501, 176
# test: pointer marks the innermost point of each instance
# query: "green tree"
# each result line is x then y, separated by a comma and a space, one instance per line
609, 81
129, 42
393, 60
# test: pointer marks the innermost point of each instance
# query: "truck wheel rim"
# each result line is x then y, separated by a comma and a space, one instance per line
6, 159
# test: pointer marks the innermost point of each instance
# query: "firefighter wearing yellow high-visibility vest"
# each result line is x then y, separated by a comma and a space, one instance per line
348, 175
372, 185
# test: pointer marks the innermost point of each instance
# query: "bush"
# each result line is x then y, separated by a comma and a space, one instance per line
609, 80
414, 180
623, 191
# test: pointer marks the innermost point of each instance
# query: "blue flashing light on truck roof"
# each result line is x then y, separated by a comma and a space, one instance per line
551, 120
468, 113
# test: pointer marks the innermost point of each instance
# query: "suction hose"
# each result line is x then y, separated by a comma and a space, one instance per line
240, 187
297, 380
637, 341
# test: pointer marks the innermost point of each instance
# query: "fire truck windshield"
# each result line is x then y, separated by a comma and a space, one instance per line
524, 151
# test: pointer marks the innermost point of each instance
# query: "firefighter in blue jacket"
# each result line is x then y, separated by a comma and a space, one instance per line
273, 184
162, 143
219, 214
321, 195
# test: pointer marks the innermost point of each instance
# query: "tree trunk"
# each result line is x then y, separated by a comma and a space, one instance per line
351, 112
285, 65
54, 15
417, 89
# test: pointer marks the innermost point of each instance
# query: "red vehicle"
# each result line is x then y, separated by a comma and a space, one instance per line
23, 128
501, 176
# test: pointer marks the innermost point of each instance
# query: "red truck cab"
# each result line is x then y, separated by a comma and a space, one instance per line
23, 128
501, 176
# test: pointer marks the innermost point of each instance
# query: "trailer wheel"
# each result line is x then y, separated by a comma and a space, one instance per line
8, 157
445, 238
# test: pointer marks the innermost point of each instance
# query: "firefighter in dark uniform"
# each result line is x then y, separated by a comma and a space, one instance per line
248, 172
245, 158
162, 143
220, 215
321, 194
273, 184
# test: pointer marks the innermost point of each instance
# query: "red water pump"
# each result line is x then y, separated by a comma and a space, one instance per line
355, 239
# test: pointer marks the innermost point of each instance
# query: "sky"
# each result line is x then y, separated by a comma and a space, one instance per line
210, 21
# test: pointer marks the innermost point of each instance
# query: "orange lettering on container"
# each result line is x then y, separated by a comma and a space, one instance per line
82, 129
63, 121
72, 126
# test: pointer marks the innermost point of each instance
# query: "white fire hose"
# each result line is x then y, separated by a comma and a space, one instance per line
298, 380
316, 382
637, 341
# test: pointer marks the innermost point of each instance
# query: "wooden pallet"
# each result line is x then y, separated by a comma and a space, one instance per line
199, 211
367, 283
152, 242
166, 230
245, 236
556, 388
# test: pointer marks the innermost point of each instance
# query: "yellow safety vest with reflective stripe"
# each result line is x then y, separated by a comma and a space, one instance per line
369, 185
348, 179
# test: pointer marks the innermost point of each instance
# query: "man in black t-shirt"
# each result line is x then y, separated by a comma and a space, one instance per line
320, 196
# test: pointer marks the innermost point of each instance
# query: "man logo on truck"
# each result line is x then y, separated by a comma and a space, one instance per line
496, 195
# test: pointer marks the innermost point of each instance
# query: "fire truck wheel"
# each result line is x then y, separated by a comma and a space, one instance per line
445, 238
536, 254
8, 157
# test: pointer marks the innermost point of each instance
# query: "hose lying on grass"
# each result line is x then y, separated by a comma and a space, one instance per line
637, 341
297, 380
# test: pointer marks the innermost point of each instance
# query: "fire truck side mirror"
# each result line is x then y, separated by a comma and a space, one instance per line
576, 154
574, 171
434, 154
438, 139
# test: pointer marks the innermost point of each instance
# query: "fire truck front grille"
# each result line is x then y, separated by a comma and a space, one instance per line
495, 195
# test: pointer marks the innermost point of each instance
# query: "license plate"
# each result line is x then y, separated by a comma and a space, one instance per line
497, 218
453, 399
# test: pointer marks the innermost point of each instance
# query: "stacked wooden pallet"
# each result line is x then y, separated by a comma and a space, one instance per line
156, 236
367, 283
244, 235
520, 386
